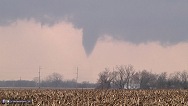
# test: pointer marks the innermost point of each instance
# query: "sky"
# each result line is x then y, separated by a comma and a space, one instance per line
61, 35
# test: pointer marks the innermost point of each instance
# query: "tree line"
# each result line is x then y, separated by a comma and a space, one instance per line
54, 80
120, 77
126, 77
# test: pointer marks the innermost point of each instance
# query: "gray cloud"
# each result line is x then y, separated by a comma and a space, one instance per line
134, 21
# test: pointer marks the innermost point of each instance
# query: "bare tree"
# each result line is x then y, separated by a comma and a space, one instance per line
162, 80
129, 72
105, 79
55, 79
123, 76
136, 79
148, 80
119, 78
184, 79
174, 80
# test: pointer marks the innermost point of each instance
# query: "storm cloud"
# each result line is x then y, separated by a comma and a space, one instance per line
164, 21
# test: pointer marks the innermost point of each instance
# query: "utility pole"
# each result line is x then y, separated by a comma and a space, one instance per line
77, 78
39, 75
20, 82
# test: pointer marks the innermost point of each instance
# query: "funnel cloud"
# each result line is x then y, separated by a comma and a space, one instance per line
133, 21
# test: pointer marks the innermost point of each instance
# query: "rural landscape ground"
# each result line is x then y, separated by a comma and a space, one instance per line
94, 97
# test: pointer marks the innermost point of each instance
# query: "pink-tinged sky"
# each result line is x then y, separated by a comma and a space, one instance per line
26, 44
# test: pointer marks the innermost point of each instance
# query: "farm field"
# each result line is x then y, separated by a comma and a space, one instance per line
92, 97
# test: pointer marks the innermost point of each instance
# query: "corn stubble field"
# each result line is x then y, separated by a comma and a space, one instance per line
93, 97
